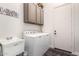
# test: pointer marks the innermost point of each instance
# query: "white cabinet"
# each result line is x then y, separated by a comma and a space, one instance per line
63, 38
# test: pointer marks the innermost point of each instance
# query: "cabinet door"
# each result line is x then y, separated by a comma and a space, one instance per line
63, 28
32, 13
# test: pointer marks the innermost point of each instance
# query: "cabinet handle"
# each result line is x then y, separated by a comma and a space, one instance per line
15, 44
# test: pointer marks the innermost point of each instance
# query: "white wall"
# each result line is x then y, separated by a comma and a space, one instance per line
48, 18
49, 21
11, 26
31, 27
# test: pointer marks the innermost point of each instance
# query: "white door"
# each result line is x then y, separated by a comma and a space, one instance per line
63, 28
76, 27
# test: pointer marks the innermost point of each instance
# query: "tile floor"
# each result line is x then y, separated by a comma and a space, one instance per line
58, 52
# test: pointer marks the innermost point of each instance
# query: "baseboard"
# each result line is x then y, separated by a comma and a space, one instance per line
52, 46
75, 53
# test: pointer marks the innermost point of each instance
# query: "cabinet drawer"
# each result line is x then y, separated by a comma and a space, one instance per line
13, 49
